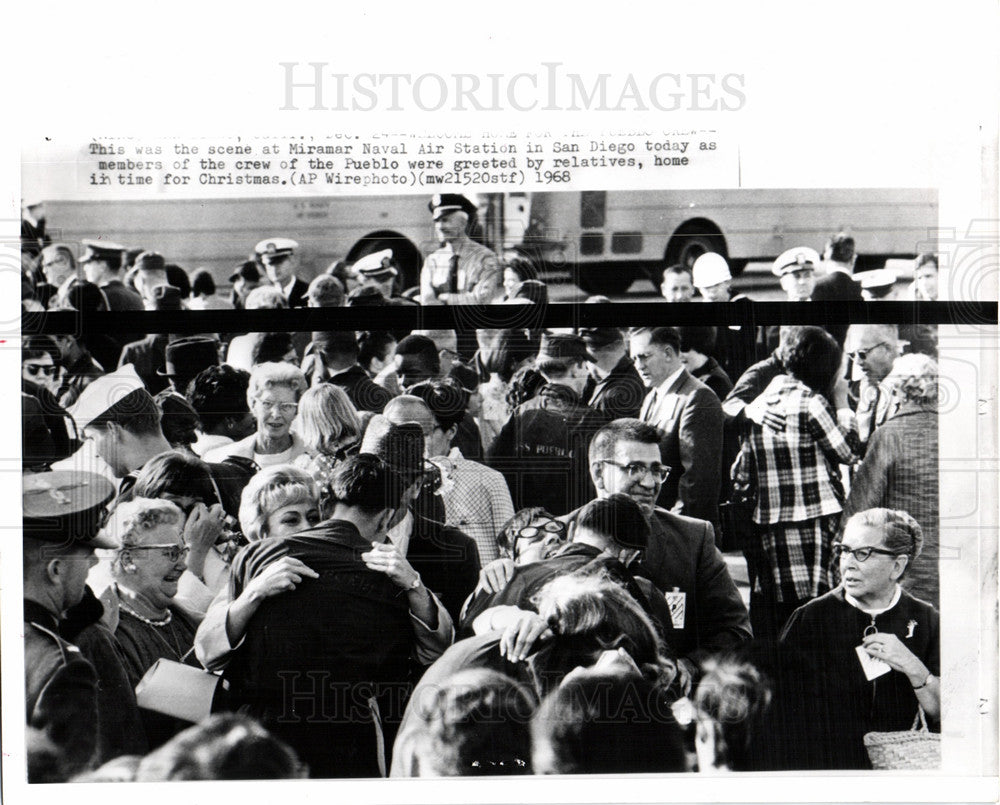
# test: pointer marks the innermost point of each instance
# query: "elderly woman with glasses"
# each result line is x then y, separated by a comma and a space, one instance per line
146, 567
273, 396
900, 468
865, 656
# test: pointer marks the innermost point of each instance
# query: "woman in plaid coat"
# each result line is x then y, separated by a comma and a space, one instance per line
802, 430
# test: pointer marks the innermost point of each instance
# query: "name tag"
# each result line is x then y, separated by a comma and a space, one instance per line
677, 602
872, 666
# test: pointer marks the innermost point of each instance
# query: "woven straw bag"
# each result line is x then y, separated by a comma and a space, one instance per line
909, 749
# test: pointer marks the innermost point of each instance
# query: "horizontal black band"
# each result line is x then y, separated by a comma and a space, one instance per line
469, 317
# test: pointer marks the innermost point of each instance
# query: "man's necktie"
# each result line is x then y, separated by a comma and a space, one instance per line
453, 274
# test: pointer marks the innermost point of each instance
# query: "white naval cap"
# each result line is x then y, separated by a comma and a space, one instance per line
795, 259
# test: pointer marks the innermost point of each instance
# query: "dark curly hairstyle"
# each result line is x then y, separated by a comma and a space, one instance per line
812, 355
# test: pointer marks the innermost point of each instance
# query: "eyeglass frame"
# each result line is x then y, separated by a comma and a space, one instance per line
543, 532
267, 406
659, 472
839, 550
177, 552
862, 354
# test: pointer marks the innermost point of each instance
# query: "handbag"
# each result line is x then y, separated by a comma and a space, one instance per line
915, 748
736, 515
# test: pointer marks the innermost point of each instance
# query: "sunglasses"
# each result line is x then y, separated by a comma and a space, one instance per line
35, 368
861, 354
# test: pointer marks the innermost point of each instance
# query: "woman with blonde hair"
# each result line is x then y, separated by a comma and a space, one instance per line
330, 429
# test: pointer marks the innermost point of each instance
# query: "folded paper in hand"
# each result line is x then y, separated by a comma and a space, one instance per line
177, 690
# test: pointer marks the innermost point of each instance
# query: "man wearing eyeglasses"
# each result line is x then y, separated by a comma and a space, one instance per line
690, 417
873, 349
707, 613
610, 536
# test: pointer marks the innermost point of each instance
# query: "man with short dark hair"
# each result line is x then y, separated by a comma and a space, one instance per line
689, 415
324, 665
332, 357
677, 284
838, 283
707, 613
697, 344
610, 534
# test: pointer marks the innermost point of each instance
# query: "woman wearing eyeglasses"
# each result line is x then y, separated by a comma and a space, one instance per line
146, 567
864, 657
273, 395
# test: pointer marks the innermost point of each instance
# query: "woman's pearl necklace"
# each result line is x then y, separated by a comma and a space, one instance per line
145, 620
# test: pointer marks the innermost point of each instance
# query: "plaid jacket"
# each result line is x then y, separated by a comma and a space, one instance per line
797, 477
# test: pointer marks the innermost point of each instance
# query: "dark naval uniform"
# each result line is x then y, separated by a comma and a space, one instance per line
60, 686
60, 691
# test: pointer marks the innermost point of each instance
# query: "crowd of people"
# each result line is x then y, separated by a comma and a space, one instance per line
472, 552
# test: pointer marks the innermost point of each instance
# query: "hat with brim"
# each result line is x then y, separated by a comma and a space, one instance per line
274, 248
879, 279
795, 260
601, 337
445, 203
563, 346
401, 446
377, 265
66, 507
100, 250
186, 357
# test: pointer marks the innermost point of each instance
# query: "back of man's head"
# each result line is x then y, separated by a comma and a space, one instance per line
602, 722
338, 347
840, 248
365, 483
616, 519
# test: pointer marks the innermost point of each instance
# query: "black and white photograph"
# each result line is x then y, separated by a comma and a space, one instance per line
610, 462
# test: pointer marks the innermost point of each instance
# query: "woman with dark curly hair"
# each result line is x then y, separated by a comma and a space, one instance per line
802, 430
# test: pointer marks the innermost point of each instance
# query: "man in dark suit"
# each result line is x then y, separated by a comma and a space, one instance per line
689, 415
281, 262
707, 613
332, 357
838, 284
62, 515
102, 265
614, 387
